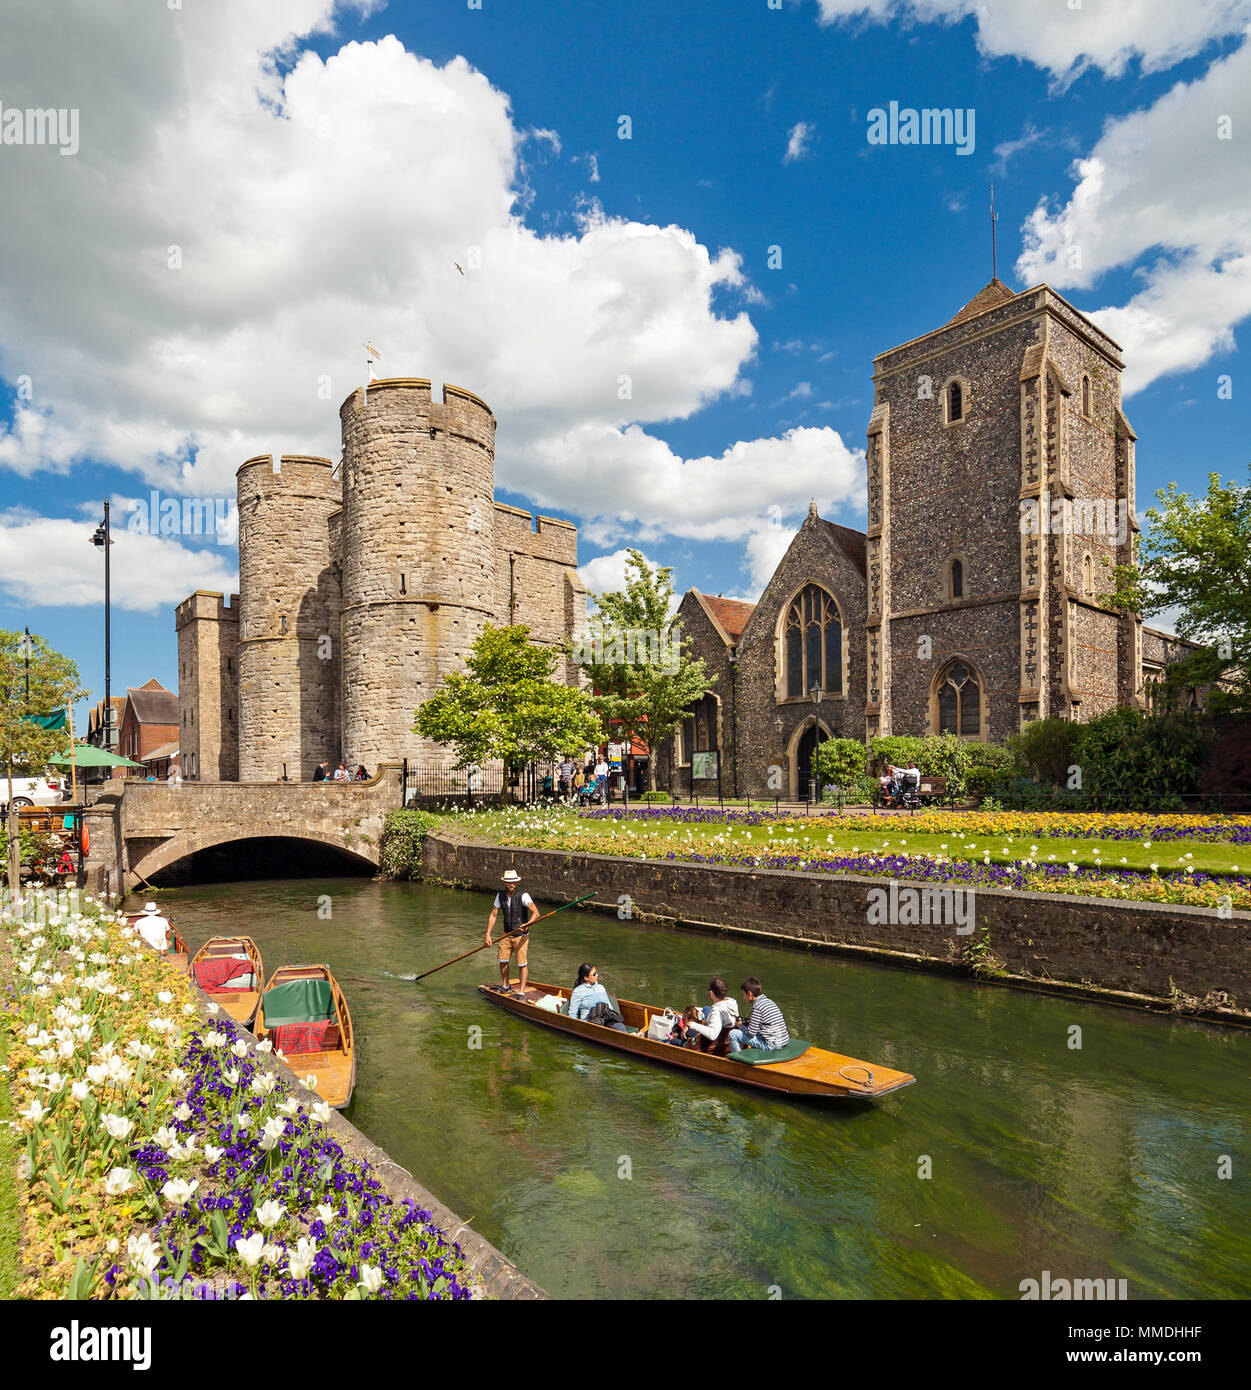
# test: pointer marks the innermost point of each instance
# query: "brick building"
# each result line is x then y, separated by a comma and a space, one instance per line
362, 583
1000, 492
149, 720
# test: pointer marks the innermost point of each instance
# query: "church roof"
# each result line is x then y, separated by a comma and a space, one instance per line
153, 705
990, 297
852, 542
730, 614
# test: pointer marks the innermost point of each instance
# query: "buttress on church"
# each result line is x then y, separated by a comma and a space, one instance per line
1000, 478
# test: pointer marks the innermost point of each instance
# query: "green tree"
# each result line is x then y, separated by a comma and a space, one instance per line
43, 684
508, 705
643, 682
1194, 558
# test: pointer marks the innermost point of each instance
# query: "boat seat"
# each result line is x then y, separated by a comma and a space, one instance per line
756, 1056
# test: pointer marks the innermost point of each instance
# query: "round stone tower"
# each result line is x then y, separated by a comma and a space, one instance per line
288, 618
417, 538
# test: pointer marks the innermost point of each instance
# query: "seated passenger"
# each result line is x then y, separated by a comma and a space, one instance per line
588, 994
719, 1017
765, 1026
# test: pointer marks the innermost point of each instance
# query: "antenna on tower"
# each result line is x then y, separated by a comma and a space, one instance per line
994, 217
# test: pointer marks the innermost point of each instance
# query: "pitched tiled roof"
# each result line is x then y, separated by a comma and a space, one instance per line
159, 706
852, 542
731, 613
994, 294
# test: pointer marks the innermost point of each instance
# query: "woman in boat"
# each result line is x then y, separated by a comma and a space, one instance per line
588, 994
720, 1016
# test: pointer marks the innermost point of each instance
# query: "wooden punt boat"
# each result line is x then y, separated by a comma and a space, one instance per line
813, 1074
177, 955
230, 969
304, 1014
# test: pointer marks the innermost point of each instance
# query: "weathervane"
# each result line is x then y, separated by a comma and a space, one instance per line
371, 356
994, 217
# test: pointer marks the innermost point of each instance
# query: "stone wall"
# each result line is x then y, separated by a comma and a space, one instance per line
288, 619
417, 548
1139, 948
208, 686
536, 579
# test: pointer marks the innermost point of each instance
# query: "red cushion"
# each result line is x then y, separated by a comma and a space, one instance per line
296, 1038
212, 973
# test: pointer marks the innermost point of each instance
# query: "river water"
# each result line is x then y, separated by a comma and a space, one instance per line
602, 1176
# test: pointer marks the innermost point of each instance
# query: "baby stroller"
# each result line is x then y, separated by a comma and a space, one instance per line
908, 796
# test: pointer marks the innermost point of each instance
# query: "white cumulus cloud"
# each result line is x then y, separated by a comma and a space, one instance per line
798, 141
1065, 40
1163, 192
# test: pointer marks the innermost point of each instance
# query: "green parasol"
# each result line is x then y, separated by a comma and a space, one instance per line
87, 755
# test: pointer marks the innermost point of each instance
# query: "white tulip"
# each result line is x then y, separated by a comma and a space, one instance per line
118, 1125
371, 1278
270, 1213
35, 1112
321, 1112
250, 1250
326, 1212
240, 1048
212, 1152
165, 996
118, 1181
302, 1257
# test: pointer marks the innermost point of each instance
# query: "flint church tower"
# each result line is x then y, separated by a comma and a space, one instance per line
1000, 494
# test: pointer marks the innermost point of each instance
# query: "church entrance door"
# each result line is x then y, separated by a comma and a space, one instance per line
808, 744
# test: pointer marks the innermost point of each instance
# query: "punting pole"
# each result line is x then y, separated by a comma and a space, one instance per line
518, 932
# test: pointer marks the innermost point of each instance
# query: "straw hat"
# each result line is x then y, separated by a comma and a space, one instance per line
150, 908
511, 876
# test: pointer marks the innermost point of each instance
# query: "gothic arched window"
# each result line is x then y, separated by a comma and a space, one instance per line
955, 401
1086, 396
957, 579
812, 643
1088, 576
959, 701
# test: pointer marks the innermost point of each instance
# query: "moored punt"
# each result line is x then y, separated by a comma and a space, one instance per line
230, 969
177, 955
799, 1070
304, 1014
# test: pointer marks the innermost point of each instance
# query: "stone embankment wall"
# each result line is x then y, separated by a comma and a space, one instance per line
1141, 949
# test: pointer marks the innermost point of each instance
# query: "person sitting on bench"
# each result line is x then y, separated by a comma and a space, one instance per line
719, 1017
765, 1028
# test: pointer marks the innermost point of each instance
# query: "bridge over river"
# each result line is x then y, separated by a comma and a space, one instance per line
139, 829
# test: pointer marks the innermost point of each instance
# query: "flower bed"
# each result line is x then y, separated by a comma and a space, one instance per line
656, 838
162, 1159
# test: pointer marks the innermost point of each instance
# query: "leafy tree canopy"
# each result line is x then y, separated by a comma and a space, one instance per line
643, 681
508, 704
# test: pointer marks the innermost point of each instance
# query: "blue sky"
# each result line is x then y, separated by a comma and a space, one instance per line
322, 198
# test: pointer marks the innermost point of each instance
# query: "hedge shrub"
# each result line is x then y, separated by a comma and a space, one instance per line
403, 833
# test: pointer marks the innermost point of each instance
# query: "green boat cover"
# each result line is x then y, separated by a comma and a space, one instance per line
298, 1001
755, 1056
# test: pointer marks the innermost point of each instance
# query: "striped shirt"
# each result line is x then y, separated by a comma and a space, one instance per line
766, 1019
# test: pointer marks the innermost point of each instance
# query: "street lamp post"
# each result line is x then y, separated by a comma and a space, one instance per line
28, 646
103, 538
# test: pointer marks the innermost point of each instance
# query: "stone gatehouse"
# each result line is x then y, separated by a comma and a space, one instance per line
1000, 493
362, 583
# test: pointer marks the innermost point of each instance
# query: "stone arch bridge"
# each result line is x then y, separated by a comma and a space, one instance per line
136, 829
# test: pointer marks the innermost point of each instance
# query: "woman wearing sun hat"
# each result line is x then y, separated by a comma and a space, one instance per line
519, 912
